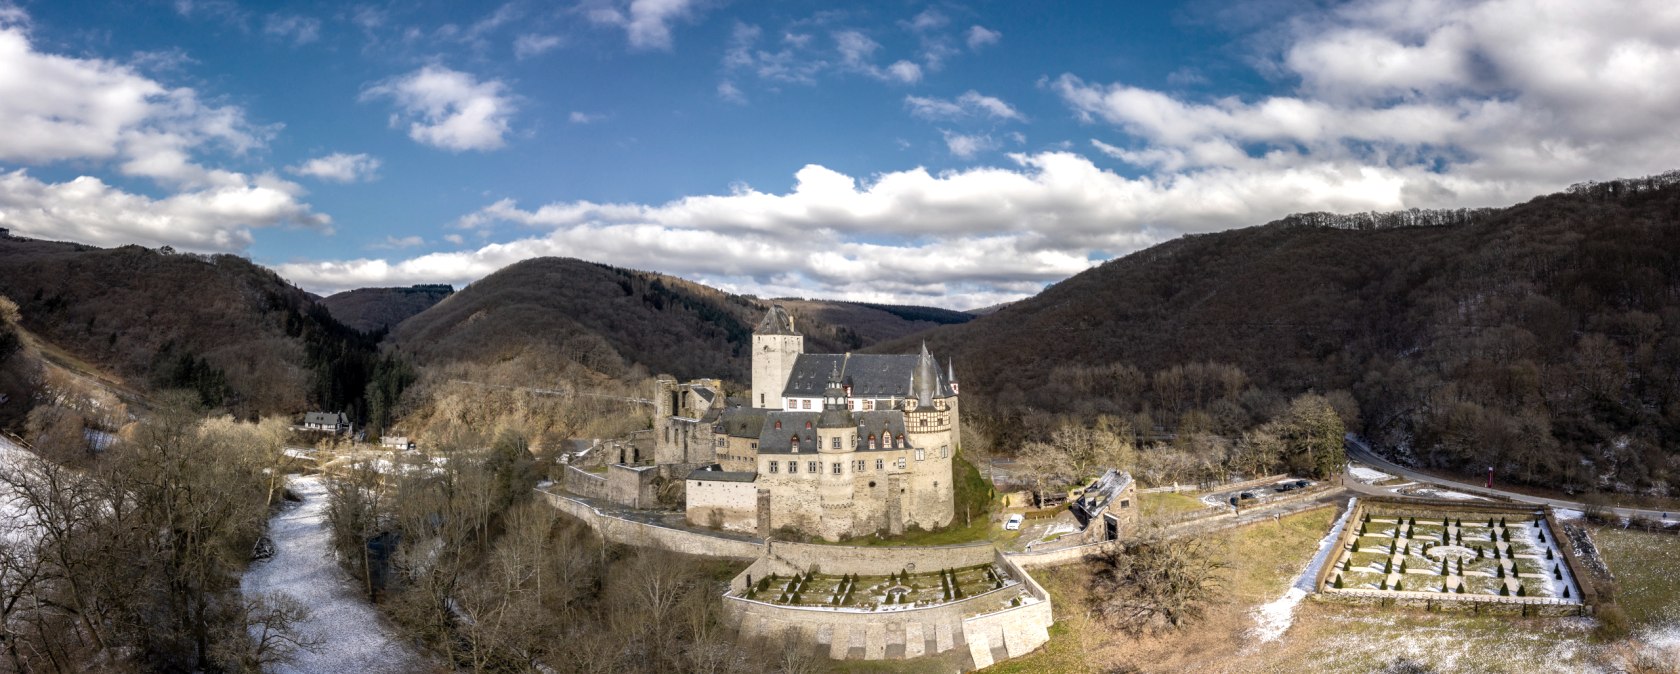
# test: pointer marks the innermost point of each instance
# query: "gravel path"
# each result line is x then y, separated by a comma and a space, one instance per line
355, 638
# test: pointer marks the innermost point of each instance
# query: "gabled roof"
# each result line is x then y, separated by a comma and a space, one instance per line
780, 440
741, 422
869, 375
1100, 493
325, 418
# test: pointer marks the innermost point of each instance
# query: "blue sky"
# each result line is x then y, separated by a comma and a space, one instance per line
948, 153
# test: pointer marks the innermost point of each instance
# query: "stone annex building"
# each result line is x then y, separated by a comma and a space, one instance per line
830, 445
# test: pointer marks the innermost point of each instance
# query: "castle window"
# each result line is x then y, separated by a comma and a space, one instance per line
878, 465
901, 463
778, 424
755, 445
834, 443
944, 451
868, 405
1125, 503
761, 400
900, 440
807, 425
871, 441
805, 405
795, 443
918, 455
835, 468
924, 421
775, 466
813, 467
793, 467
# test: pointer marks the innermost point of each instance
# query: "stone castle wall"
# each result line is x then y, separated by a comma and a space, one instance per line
644, 534
731, 506
904, 633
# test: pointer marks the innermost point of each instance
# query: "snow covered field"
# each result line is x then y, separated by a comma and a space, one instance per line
1275, 617
1368, 475
354, 637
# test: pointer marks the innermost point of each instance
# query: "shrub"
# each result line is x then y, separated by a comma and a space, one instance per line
1338, 583
1549, 553
1521, 592
1398, 587
1356, 545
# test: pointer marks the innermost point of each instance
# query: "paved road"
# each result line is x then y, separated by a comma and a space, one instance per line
1359, 451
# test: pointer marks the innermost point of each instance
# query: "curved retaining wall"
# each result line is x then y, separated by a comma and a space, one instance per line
629, 532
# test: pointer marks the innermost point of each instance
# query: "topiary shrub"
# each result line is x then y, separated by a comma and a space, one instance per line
1338, 583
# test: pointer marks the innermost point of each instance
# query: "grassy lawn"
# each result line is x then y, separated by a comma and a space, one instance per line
1168, 503
1647, 570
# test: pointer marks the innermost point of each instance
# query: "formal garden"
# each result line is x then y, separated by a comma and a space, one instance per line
1454, 554
904, 589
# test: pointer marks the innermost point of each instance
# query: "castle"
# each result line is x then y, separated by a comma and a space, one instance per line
829, 445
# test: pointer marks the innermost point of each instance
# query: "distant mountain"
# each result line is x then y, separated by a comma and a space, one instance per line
863, 324
1543, 338
242, 337
375, 309
556, 313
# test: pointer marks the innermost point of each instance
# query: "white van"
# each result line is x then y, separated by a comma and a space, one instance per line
1014, 522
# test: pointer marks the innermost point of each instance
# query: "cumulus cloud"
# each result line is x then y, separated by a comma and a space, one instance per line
970, 104
579, 117
1491, 100
727, 91
646, 23
87, 210
100, 113
339, 167
961, 238
449, 109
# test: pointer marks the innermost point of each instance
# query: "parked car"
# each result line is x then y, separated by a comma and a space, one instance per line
1233, 501
1247, 495
1014, 523
1301, 484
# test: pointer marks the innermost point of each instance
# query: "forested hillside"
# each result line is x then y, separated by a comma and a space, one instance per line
859, 324
235, 333
380, 309
1543, 338
610, 320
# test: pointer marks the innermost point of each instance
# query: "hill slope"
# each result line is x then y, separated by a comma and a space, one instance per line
1535, 337
241, 336
375, 309
565, 312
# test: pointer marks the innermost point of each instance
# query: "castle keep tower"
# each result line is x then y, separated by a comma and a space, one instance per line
775, 347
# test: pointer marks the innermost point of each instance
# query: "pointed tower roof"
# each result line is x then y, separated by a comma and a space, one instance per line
837, 405
776, 321
925, 381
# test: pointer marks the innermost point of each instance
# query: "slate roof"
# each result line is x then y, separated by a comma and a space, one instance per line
741, 422
780, 440
776, 321
1101, 492
870, 375
715, 473
325, 418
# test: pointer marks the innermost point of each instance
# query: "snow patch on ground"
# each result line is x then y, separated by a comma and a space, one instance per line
354, 637
14, 518
1275, 617
1368, 475
1565, 514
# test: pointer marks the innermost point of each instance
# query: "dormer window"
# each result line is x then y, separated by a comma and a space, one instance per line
807, 425
795, 443
778, 424
872, 441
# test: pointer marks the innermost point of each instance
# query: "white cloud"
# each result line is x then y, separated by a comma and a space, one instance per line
980, 36
962, 238
905, 71
300, 30
970, 104
578, 117
727, 91
87, 210
532, 44
928, 20
646, 23
339, 167
100, 113
1489, 100
394, 243
968, 145
450, 109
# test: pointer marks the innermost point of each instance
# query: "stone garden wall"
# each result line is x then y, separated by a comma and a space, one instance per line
646, 534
